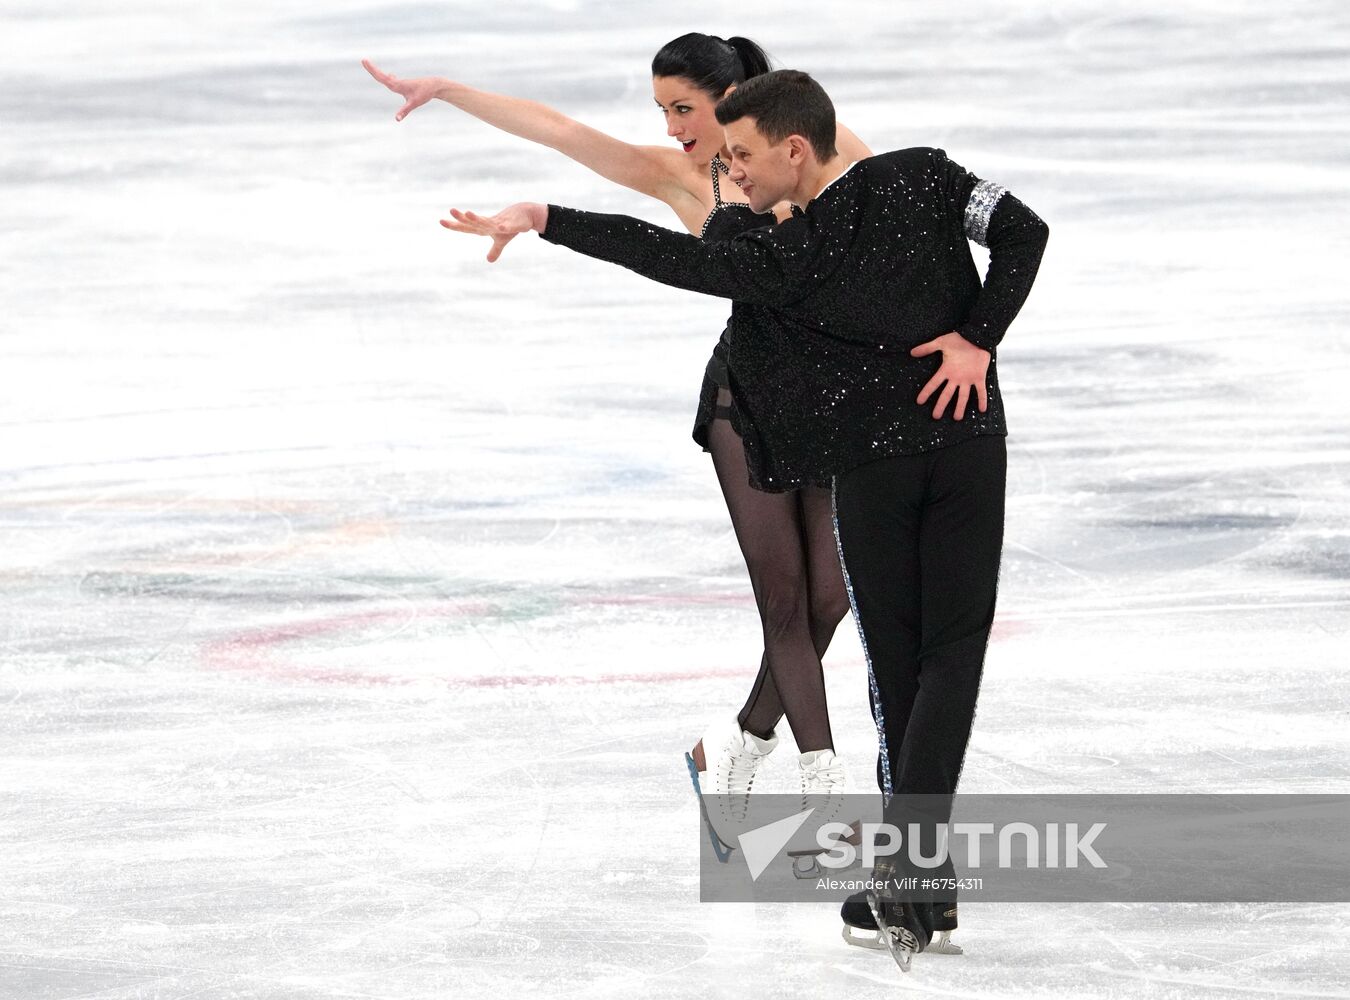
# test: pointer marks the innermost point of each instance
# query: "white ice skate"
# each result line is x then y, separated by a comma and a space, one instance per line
825, 784
731, 760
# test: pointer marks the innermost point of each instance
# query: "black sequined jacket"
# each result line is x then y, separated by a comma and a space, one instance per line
829, 304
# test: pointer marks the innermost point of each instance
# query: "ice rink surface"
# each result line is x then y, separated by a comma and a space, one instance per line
360, 599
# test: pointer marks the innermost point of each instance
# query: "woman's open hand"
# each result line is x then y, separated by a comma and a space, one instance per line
415, 93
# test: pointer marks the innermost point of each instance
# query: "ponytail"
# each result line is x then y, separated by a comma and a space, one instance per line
754, 60
712, 64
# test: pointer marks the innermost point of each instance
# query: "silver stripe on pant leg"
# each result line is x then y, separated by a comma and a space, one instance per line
877, 716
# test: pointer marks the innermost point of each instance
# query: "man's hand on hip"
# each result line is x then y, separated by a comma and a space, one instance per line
963, 366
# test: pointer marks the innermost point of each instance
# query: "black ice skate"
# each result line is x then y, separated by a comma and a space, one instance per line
860, 927
900, 928
905, 928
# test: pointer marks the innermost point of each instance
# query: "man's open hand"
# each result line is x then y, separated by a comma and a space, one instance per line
963, 365
503, 227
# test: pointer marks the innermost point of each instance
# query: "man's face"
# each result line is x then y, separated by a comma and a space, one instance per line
766, 172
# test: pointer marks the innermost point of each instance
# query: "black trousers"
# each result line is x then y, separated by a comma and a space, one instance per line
920, 538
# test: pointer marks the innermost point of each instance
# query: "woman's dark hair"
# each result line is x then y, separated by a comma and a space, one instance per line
710, 63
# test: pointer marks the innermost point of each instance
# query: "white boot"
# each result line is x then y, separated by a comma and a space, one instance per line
732, 758
822, 773
825, 782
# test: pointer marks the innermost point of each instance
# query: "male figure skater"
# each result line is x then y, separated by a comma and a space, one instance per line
848, 318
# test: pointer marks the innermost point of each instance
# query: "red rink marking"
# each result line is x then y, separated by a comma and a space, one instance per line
250, 651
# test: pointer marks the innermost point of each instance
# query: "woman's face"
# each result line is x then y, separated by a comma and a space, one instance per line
690, 117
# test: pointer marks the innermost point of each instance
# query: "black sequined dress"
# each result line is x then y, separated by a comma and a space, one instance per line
727, 220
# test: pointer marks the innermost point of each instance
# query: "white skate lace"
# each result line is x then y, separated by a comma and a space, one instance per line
824, 779
823, 787
737, 768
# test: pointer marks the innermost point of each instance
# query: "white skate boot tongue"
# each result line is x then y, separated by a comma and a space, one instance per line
757, 746
818, 759
822, 771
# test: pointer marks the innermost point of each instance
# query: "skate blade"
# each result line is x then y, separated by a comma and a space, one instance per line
942, 944
862, 937
722, 851
901, 943
806, 865
866, 937
805, 861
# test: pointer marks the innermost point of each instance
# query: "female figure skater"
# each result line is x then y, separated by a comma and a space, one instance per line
787, 538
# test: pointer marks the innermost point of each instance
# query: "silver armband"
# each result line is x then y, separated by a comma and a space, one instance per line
979, 209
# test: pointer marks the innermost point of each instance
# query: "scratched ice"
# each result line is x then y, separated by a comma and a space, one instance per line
338, 566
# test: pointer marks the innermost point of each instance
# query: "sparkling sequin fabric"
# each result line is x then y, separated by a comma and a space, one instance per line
829, 304
727, 220
980, 209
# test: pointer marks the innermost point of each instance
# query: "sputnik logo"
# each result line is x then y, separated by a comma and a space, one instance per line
762, 844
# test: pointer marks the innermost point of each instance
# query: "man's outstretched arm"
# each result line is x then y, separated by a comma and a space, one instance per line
767, 266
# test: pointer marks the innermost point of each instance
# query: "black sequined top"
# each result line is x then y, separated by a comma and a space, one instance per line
727, 220
829, 304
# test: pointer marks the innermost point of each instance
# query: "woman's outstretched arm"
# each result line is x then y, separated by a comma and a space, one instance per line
849, 145
652, 170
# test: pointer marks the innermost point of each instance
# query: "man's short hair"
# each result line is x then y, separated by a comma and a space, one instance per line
784, 102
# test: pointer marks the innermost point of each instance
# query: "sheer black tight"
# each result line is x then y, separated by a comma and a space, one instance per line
788, 543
